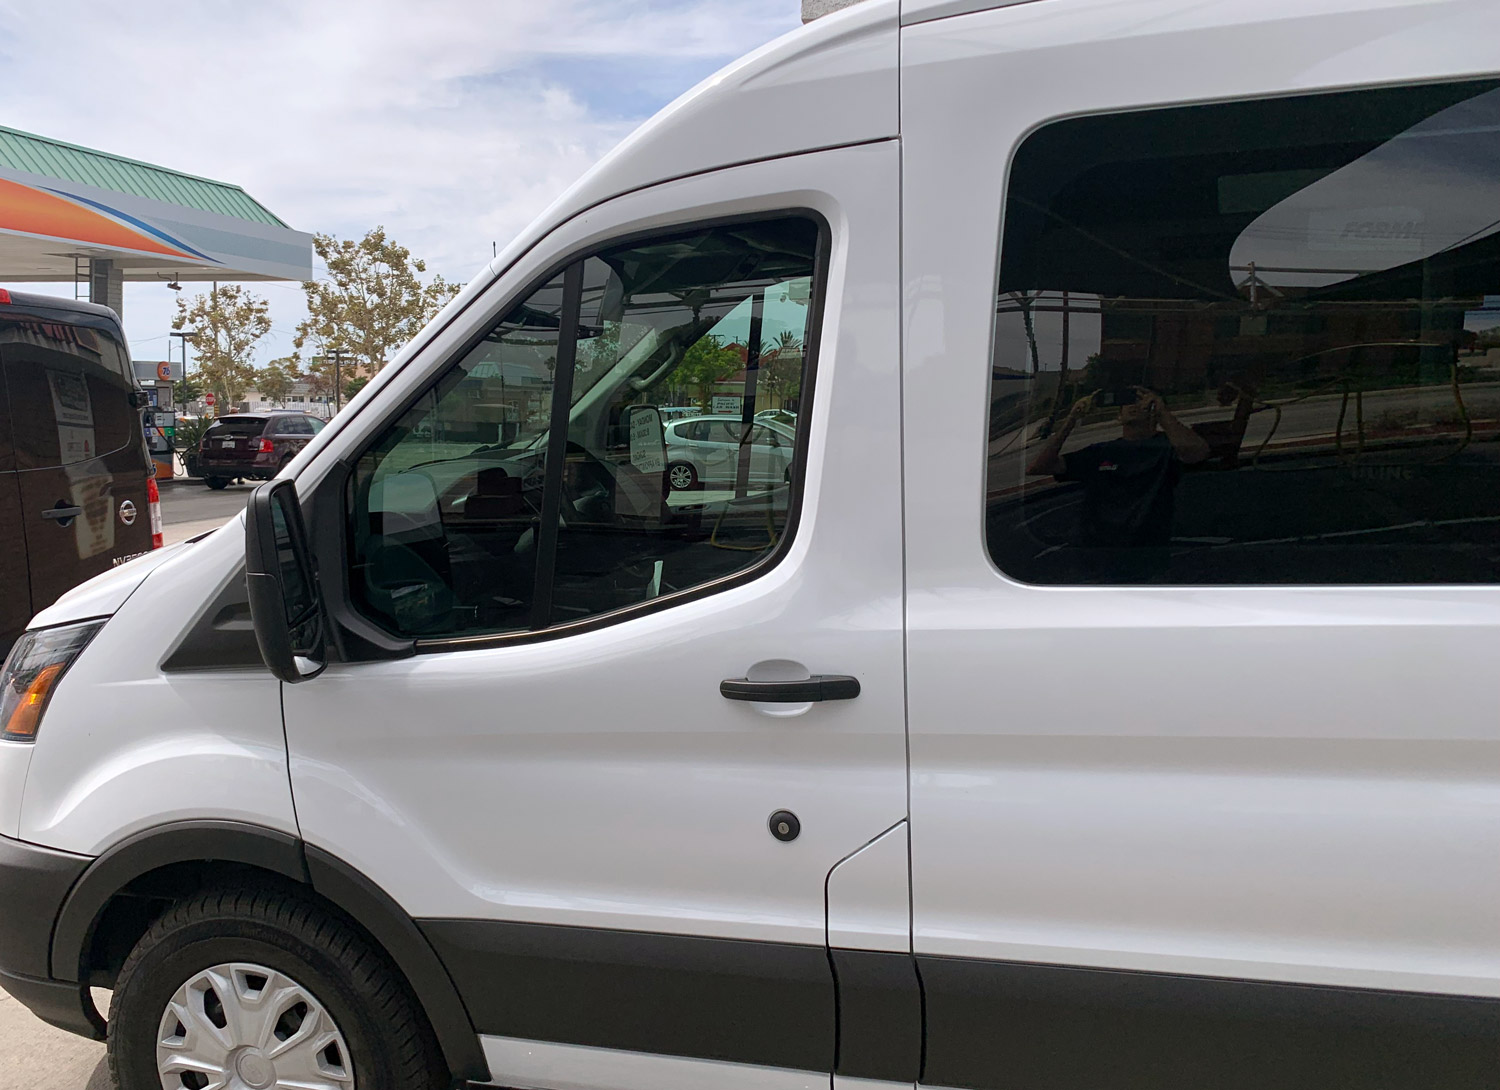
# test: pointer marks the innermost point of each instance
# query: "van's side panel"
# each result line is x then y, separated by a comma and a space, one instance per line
586, 816
78, 444
1163, 836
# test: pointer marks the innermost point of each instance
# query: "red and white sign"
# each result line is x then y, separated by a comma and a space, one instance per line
208, 399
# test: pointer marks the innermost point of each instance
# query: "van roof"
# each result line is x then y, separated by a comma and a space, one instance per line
57, 308
828, 84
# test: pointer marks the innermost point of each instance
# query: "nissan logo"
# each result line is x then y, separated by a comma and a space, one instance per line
127, 512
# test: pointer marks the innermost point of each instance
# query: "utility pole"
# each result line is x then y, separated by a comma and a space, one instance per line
184, 336
337, 355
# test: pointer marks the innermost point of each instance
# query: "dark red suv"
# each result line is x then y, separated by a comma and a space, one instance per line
253, 446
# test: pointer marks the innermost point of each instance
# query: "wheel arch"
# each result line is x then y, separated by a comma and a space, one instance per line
169, 860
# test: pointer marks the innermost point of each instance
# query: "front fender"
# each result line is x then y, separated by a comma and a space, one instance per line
335, 882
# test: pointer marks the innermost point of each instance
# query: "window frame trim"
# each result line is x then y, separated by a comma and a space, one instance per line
817, 303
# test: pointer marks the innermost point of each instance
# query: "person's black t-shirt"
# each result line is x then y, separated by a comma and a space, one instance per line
1127, 491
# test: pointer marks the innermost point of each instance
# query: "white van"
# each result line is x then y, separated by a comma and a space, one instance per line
1108, 697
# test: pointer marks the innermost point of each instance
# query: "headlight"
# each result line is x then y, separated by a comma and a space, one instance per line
36, 663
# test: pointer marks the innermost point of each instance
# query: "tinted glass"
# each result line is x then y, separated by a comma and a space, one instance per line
1253, 343
237, 425
294, 425
461, 524
445, 505
717, 317
71, 390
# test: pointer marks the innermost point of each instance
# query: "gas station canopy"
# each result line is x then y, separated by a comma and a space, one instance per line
67, 212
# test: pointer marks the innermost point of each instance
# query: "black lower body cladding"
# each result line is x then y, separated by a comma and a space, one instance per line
34, 883
1025, 1026
676, 995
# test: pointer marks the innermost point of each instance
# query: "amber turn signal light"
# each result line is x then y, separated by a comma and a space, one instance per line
35, 666
28, 711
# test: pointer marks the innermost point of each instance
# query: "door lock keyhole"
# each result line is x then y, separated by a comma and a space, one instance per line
785, 826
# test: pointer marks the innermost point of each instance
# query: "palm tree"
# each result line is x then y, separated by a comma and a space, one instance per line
781, 366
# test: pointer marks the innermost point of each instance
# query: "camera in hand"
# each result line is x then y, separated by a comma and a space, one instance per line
1112, 397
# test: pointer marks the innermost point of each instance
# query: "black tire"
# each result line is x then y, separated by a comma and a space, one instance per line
390, 1044
683, 473
216, 483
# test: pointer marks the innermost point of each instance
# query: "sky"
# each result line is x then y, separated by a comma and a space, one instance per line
452, 123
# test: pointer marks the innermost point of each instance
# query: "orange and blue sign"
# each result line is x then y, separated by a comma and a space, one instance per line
50, 213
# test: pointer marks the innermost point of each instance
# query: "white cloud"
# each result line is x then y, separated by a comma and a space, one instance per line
451, 122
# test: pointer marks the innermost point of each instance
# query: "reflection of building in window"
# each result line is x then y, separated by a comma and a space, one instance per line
1329, 349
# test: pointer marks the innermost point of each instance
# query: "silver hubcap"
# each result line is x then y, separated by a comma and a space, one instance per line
682, 476
246, 1027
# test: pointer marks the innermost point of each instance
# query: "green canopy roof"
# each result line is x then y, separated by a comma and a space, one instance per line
42, 155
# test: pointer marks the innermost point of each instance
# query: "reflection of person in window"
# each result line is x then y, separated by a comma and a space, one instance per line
1127, 482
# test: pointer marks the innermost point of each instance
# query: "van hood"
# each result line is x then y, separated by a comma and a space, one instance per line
106, 592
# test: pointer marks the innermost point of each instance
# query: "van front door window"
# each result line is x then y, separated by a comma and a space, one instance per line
459, 525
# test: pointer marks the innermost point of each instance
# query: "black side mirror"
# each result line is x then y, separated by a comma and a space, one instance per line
282, 584
139, 399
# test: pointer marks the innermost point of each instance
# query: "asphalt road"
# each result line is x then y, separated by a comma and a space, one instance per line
189, 507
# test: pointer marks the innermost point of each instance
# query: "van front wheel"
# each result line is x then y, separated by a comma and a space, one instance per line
264, 989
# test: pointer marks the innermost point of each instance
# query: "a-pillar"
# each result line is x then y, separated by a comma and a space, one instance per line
107, 285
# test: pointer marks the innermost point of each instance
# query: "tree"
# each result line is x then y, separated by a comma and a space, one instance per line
186, 391
275, 379
781, 367
226, 323
371, 302
708, 361
319, 375
354, 386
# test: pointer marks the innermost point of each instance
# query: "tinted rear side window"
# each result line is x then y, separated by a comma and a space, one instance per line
69, 390
1252, 343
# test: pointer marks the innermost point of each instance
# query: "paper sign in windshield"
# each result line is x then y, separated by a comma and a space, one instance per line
646, 451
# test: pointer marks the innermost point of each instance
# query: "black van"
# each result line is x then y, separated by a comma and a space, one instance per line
76, 482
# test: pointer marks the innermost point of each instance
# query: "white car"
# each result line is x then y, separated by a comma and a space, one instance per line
778, 416
706, 451
1020, 743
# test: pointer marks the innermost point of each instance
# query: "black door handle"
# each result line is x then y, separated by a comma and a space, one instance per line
62, 511
817, 687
